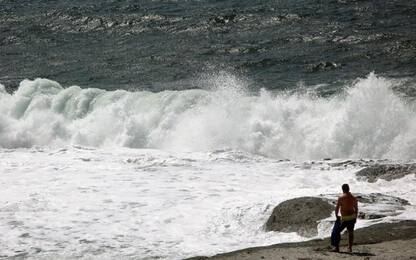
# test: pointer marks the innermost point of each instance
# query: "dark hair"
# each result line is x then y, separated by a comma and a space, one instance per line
345, 188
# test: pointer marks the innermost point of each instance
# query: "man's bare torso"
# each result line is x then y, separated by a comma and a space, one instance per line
348, 204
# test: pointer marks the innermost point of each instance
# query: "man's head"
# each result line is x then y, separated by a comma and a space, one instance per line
345, 188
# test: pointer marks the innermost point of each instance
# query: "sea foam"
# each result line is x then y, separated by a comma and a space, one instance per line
367, 120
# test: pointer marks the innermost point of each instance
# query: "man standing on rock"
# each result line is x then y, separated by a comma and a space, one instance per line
349, 212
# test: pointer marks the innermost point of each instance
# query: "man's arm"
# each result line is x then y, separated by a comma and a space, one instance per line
337, 208
356, 208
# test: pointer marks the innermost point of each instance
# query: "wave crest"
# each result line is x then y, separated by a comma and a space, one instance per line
367, 121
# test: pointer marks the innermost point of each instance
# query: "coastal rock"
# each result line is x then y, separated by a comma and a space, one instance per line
299, 215
386, 172
322, 66
365, 245
302, 215
375, 205
224, 19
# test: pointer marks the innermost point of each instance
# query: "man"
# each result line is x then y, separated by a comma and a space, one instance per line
349, 212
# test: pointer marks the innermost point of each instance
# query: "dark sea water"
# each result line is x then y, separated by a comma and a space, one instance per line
158, 45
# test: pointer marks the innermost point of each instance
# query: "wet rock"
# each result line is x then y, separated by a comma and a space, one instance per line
24, 235
302, 215
322, 66
356, 163
386, 172
224, 19
376, 198
299, 215
377, 233
15, 223
85, 241
375, 205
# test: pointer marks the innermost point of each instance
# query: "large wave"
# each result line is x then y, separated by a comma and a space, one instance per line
367, 121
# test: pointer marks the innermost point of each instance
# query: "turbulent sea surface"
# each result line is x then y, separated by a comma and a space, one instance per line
169, 129
160, 44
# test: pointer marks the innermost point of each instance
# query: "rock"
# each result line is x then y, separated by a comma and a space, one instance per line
386, 232
377, 198
377, 205
386, 172
299, 215
322, 66
366, 237
302, 215
224, 19
374, 205
355, 163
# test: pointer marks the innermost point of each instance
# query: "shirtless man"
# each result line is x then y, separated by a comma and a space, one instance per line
349, 212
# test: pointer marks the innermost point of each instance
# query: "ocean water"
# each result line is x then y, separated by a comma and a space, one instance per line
167, 44
170, 129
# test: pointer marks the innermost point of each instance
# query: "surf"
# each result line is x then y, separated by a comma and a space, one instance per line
366, 120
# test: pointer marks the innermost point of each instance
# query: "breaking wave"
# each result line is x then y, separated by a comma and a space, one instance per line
368, 120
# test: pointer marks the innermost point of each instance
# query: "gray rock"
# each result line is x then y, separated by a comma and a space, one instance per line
299, 215
377, 205
377, 233
322, 66
302, 215
378, 198
374, 205
354, 163
386, 171
224, 19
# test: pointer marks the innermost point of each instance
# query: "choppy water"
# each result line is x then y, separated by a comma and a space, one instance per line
169, 129
159, 45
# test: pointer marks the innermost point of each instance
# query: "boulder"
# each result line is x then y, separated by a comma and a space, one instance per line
299, 215
377, 205
303, 214
386, 172
374, 205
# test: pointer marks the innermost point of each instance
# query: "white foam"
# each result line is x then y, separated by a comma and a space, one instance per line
70, 189
368, 120
106, 204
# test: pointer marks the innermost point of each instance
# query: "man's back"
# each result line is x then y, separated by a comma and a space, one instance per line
348, 204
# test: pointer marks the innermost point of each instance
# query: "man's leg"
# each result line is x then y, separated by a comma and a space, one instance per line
350, 239
350, 228
338, 240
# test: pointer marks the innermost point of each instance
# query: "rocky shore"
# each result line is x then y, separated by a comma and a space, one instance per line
303, 215
380, 241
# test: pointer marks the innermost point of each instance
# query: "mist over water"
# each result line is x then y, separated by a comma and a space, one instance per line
367, 120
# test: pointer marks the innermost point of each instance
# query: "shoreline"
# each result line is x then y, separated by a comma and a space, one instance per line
379, 241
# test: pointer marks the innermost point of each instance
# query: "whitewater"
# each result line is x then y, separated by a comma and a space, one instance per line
368, 120
96, 174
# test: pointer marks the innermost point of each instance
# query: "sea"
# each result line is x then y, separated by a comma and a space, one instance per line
167, 129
